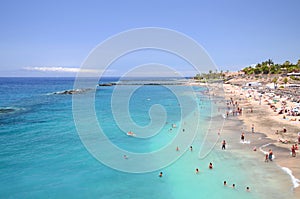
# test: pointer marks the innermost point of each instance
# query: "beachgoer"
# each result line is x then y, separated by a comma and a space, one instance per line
160, 174
267, 158
243, 137
296, 146
225, 183
247, 189
223, 145
254, 149
293, 151
177, 148
191, 148
270, 154
252, 128
284, 130
197, 170
210, 165
233, 185
125, 157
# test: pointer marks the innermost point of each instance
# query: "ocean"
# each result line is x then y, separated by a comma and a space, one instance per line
42, 155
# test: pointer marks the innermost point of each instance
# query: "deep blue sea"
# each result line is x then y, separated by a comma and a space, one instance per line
42, 155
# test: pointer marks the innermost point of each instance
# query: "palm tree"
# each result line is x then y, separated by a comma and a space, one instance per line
270, 62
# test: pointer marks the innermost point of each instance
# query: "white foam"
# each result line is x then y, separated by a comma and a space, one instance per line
294, 180
245, 142
263, 146
266, 152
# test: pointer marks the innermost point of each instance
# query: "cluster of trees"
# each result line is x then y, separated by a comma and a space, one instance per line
210, 75
269, 67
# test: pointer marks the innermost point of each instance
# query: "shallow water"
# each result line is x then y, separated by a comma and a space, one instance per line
42, 155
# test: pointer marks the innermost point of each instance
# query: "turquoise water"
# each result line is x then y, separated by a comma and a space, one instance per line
42, 156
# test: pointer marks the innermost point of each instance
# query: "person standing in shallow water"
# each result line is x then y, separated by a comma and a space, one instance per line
223, 145
243, 137
270, 155
267, 158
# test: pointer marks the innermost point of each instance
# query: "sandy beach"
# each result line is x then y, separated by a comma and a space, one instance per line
268, 128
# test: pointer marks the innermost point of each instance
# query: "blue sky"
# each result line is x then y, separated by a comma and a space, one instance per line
38, 35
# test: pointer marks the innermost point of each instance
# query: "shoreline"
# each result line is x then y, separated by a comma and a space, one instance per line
264, 124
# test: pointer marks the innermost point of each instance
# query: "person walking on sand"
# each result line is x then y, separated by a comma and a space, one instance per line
223, 145
252, 128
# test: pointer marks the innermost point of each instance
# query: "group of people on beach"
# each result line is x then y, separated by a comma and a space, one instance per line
269, 156
235, 110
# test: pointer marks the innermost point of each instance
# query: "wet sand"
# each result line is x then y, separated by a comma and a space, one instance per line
266, 122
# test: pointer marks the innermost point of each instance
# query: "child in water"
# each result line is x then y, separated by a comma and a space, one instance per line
267, 158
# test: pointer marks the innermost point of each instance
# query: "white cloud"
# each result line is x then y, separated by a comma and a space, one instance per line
61, 69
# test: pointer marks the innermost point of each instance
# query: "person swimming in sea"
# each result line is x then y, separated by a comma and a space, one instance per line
247, 189
210, 166
191, 148
225, 183
233, 185
160, 174
197, 170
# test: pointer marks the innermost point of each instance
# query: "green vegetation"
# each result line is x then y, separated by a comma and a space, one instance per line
210, 75
295, 78
269, 67
285, 80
